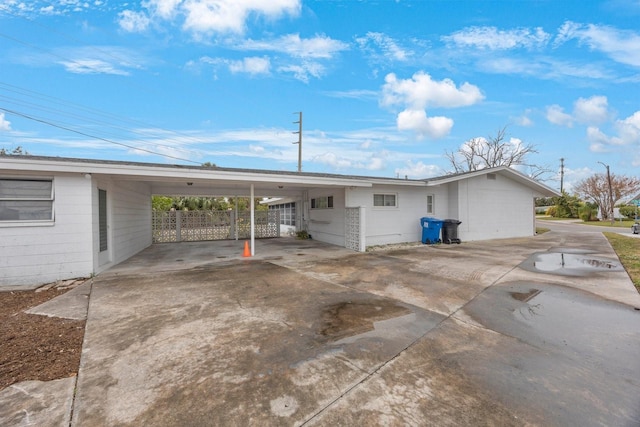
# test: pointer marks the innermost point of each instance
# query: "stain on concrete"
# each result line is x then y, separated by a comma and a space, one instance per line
525, 296
349, 318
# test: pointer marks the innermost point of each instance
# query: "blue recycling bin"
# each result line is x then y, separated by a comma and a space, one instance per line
431, 230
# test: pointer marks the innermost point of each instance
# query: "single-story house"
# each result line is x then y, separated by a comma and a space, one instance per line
64, 218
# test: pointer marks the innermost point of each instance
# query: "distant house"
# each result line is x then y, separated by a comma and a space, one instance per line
63, 218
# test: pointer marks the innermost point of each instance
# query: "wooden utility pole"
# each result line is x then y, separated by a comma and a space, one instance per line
299, 142
610, 191
561, 175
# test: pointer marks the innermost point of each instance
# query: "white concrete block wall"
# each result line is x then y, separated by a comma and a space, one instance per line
400, 224
37, 254
327, 225
493, 209
131, 214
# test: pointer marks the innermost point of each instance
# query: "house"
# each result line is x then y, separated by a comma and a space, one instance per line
64, 218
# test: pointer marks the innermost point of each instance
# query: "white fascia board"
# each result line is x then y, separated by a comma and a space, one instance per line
159, 173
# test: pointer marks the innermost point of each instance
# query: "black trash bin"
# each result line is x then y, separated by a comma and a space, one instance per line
450, 231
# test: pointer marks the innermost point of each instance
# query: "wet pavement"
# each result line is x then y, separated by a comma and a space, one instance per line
533, 331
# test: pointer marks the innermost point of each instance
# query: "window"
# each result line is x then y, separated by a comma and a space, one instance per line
430, 204
387, 200
322, 202
287, 213
26, 199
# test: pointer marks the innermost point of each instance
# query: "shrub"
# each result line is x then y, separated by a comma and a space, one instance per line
551, 211
586, 213
628, 211
302, 235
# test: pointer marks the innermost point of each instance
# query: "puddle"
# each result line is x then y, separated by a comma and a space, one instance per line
574, 322
581, 323
569, 264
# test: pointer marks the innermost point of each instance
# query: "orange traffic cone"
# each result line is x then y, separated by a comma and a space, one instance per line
247, 252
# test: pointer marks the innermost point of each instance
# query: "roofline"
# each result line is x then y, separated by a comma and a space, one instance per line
169, 172
517, 175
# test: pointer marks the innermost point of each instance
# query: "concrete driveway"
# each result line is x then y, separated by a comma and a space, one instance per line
532, 331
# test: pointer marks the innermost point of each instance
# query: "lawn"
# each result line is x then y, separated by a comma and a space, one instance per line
627, 223
628, 250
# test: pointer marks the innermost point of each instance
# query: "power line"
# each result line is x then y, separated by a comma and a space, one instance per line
26, 116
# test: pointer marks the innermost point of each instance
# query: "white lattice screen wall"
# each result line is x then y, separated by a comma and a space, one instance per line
353, 238
192, 226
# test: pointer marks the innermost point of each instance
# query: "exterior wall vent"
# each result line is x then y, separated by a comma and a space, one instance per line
491, 176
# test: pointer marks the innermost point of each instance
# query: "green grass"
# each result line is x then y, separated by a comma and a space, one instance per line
551, 218
627, 223
541, 230
628, 250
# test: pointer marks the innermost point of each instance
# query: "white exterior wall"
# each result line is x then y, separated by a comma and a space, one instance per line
494, 209
129, 221
36, 254
327, 225
399, 224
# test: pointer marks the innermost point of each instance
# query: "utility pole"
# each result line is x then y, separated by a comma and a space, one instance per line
299, 142
610, 191
561, 175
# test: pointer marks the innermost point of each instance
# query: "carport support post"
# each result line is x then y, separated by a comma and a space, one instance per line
253, 225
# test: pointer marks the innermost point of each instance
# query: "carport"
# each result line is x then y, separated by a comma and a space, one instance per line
90, 215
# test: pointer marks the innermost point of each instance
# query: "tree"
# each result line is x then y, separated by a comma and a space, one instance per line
494, 151
18, 151
596, 188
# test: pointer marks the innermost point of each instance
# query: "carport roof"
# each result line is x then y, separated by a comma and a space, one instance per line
163, 174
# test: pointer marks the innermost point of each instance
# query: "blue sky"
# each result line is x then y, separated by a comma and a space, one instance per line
385, 87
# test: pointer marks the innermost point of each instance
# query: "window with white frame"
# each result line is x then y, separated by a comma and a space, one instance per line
324, 202
26, 199
384, 200
431, 207
287, 213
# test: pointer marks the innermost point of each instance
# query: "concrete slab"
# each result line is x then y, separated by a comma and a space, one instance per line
308, 334
70, 305
234, 344
37, 403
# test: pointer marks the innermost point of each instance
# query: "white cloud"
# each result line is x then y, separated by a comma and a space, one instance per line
331, 159
92, 66
629, 129
491, 38
557, 116
622, 46
253, 66
591, 110
524, 120
5, 125
165, 9
318, 47
417, 121
203, 17
133, 22
304, 71
418, 170
627, 133
388, 47
420, 92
